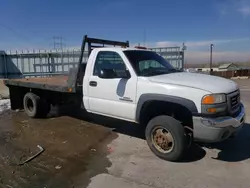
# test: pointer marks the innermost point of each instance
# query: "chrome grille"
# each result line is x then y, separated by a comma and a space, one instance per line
234, 102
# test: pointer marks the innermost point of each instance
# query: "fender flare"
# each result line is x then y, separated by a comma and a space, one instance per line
190, 105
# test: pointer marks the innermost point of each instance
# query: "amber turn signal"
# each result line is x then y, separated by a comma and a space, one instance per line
209, 99
211, 110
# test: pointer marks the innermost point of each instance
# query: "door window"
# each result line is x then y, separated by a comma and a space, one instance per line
110, 60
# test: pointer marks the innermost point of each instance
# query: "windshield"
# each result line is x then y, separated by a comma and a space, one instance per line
148, 63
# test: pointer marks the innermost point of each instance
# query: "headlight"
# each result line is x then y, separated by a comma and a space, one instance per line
214, 104
213, 99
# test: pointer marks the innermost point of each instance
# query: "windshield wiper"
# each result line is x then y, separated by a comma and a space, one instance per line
174, 70
160, 72
156, 72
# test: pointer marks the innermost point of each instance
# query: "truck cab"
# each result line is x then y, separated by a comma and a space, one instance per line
143, 85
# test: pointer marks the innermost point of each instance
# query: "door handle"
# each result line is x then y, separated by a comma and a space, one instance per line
93, 83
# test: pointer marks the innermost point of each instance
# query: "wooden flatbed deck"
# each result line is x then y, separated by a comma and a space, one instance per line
54, 83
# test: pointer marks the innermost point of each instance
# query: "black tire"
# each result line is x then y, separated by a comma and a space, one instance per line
172, 127
34, 106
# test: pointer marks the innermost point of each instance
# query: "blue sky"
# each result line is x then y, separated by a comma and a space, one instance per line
31, 24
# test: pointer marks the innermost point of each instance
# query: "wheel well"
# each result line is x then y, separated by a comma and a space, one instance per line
16, 96
152, 109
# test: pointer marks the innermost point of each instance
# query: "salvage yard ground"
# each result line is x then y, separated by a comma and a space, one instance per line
109, 153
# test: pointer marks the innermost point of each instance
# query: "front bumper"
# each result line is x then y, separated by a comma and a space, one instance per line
217, 129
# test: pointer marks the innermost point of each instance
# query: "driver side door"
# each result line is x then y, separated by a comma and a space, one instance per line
115, 96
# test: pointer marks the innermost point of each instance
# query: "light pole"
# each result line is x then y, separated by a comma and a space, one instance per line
184, 47
211, 57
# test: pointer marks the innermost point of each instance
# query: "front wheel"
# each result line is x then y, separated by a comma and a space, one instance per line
166, 138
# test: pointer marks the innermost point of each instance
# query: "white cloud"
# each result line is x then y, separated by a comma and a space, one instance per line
245, 11
196, 53
203, 57
234, 6
194, 44
188, 44
222, 8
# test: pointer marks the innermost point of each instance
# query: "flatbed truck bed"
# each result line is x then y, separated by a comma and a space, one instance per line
57, 90
54, 83
64, 84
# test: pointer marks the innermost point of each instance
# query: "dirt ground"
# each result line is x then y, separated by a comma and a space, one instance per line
71, 146
80, 154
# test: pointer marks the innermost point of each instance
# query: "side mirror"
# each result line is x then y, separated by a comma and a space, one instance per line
127, 74
110, 73
106, 73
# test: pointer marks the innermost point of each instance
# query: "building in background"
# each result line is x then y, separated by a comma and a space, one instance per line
228, 67
223, 67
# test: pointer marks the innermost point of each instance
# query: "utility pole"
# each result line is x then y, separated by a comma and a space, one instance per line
184, 47
211, 57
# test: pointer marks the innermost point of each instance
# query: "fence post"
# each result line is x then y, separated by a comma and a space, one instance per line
5, 66
62, 61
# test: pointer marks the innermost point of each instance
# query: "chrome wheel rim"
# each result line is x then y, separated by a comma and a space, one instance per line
162, 139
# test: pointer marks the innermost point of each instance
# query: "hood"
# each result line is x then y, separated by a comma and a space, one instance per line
213, 84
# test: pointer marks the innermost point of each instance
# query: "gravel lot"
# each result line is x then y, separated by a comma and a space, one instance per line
109, 153
220, 165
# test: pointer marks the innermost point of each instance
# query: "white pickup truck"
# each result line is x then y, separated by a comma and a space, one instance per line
140, 86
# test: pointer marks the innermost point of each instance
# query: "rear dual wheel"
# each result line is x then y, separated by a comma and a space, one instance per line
35, 106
